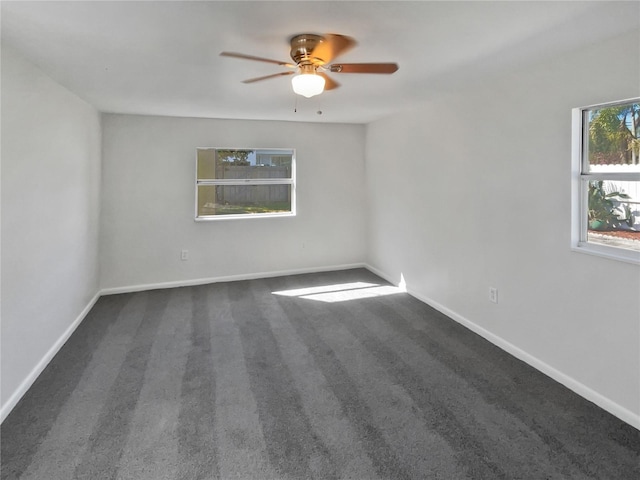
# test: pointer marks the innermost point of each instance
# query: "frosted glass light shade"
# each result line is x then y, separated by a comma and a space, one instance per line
308, 84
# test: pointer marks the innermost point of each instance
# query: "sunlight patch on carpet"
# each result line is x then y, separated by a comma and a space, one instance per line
341, 292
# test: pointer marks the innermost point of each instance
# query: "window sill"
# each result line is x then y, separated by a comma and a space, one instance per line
612, 253
244, 216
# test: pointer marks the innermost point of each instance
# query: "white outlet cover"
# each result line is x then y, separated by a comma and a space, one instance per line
493, 295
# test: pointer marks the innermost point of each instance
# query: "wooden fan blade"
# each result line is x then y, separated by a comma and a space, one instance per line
330, 47
258, 59
364, 68
329, 83
266, 77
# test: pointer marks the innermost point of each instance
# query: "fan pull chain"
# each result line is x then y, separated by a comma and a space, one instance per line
295, 106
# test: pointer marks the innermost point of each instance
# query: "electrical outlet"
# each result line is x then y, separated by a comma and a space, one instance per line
493, 294
184, 255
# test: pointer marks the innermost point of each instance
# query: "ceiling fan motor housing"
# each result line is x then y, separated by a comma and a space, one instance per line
302, 47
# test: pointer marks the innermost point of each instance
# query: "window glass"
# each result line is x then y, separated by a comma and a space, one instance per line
608, 198
206, 163
613, 138
243, 199
614, 213
244, 182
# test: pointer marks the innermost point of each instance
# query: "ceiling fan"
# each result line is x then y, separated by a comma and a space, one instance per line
312, 55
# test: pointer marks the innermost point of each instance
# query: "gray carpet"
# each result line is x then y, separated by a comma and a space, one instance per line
234, 381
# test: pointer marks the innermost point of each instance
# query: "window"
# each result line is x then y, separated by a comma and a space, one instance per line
606, 184
233, 183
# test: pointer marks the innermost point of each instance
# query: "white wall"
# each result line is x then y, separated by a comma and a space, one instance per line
472, 191
50, 209
148, 202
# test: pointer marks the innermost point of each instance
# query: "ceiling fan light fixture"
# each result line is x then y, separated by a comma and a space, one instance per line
312, 54
308, 84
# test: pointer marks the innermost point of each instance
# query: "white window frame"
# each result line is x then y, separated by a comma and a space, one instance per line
580, 188
248, 181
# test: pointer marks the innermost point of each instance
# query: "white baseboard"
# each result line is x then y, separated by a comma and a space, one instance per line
382, 274
44, 361
228, 278
602, 401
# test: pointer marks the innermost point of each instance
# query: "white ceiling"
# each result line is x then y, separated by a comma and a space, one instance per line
162, 58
